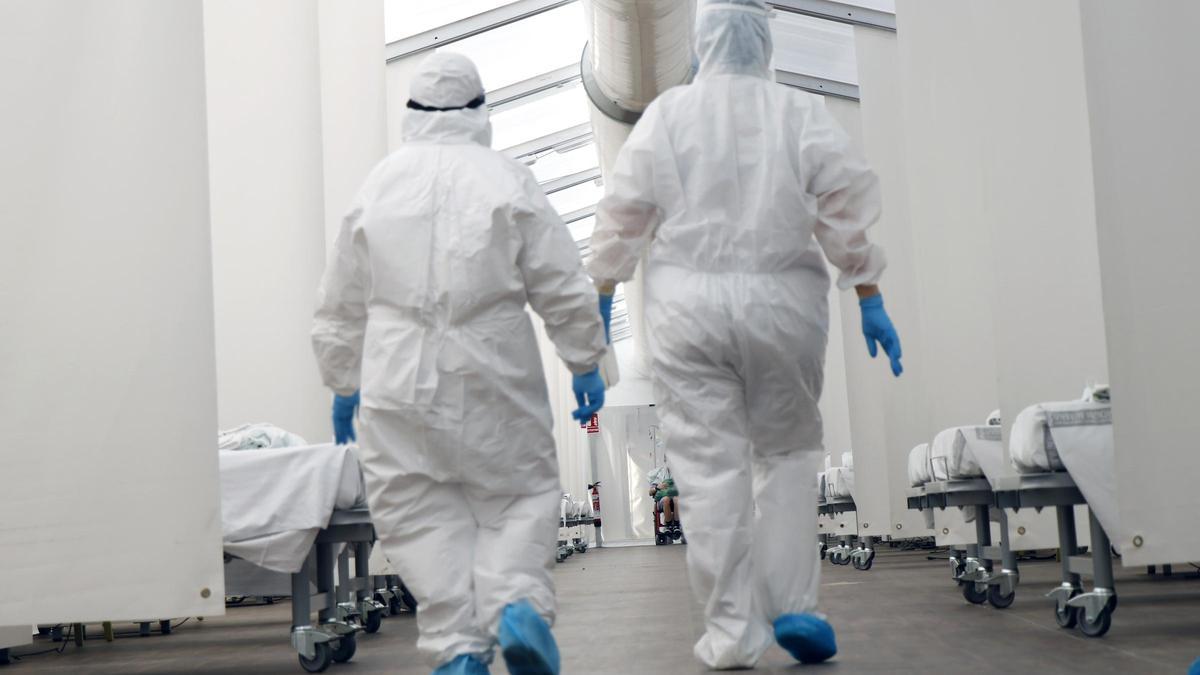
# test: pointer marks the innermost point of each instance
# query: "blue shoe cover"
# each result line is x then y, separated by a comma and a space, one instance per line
526, 642
1195, 669
463, 664
807, 637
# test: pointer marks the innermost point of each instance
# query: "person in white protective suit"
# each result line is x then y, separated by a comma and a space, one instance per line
737, 185
423, 306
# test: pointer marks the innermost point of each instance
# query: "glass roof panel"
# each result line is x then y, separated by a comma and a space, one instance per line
582, 228
405, 18
814, 47
575, 198
542, 43
565, 108
556, 164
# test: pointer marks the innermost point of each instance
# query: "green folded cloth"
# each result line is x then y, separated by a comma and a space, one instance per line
670, 491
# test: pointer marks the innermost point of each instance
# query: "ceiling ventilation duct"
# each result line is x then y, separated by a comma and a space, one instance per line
636, 50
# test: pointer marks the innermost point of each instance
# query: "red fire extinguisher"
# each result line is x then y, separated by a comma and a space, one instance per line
595, 488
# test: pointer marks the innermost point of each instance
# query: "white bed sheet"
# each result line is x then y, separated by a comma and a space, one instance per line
952, 453
839, 483
1083, 435
275, 500
919, 470
1032, 448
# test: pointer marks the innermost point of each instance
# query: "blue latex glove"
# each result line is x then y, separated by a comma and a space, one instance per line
344, 408
589, 394
877, 327
606, 314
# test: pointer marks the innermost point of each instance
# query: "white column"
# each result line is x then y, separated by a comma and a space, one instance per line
108, 408
1141, 73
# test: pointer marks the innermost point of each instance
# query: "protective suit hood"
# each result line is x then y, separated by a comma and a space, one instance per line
733, 37
449, 82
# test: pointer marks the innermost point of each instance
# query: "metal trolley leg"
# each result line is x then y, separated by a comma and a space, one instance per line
1094, 609
1064, 614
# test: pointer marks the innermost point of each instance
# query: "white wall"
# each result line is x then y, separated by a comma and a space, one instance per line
999, 200
623, 456
890, 415
108, 410
268, 212
353, 100
1146, 158
296, 121
1038, 204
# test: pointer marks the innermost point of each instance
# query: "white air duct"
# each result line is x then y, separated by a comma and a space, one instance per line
636, 50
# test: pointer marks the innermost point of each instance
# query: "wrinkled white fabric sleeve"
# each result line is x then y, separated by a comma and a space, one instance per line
555, 284
848, 199
340, 322
628, 215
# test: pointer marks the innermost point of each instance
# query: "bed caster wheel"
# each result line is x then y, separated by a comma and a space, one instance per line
1065, 617
662, 539
346, 646
972, 594
322, 657
999, 599
164, 627
379, 599
1095, 628
822, 551
410, 601
863, 564
373, 621
676, 534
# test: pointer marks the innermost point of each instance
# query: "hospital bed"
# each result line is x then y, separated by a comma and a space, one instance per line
836, 498
293, 518
948, 473
1063, 456
574, 515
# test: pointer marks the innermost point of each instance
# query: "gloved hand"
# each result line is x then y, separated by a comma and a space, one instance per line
606, 314
877, 327
344, 408
589, 394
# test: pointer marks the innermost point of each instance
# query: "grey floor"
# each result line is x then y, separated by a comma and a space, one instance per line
628, 611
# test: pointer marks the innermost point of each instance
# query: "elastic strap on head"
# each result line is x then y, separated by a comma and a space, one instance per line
475, 103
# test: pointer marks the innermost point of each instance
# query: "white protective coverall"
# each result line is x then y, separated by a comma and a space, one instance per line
425, 295
727, 181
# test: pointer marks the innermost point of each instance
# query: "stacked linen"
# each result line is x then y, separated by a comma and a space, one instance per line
274, 501
257, 436
1032, 447
1083, 435
919, 470
952, 455
1076, 437
839, 480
